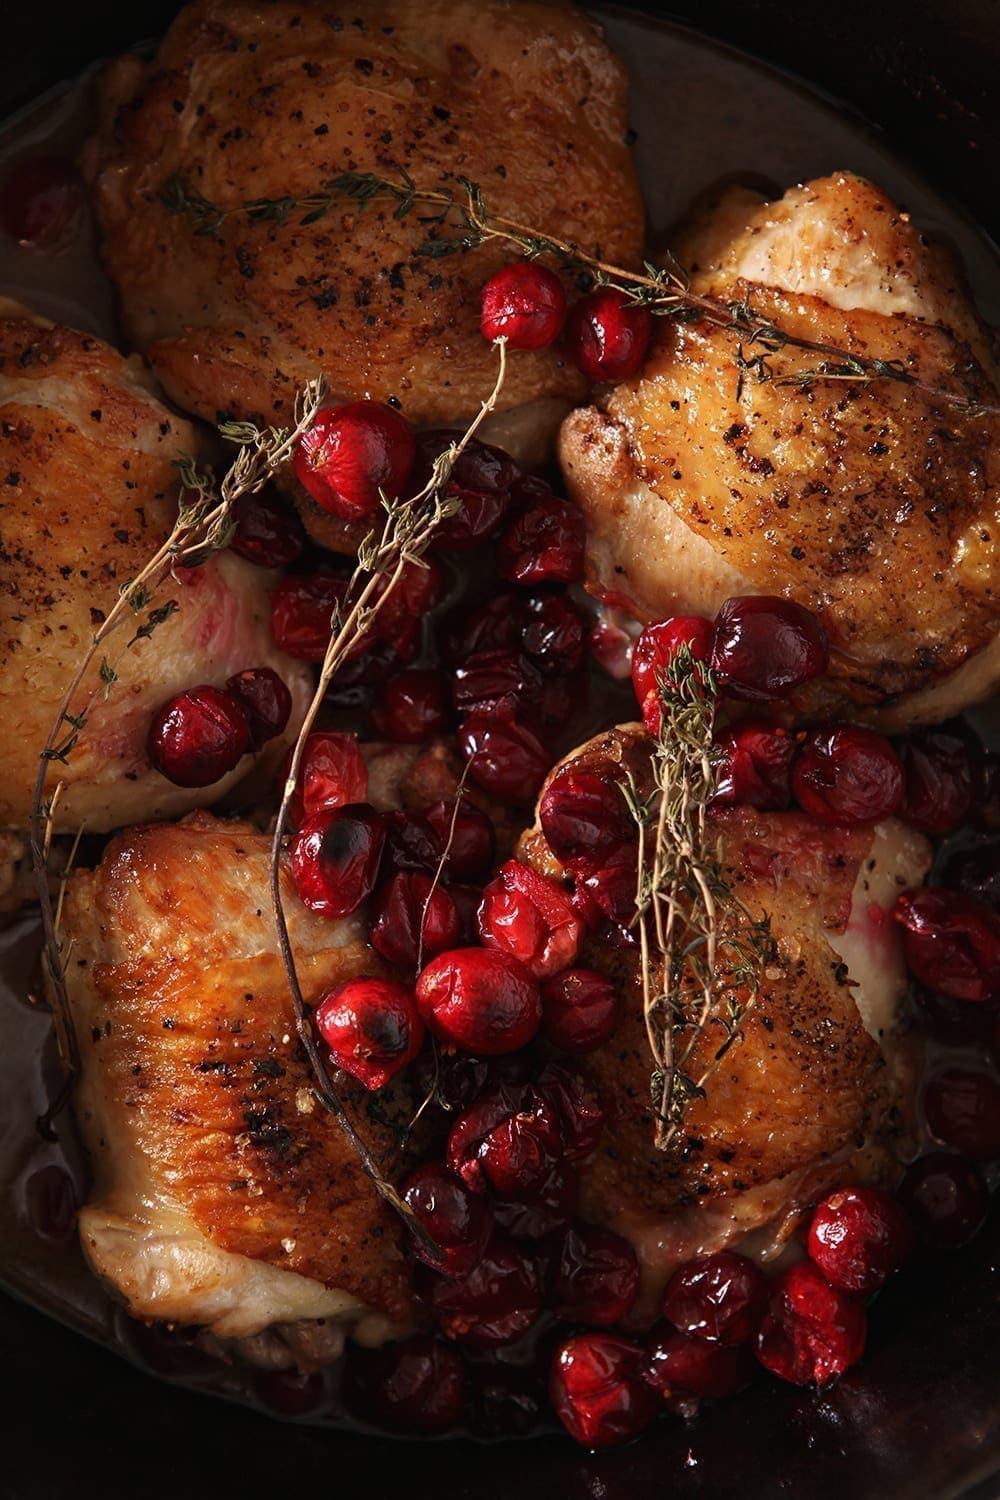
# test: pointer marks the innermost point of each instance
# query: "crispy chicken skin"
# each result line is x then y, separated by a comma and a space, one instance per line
88, 491
223, 1194
873, 505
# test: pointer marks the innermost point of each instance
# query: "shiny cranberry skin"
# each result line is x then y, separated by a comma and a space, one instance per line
412, 918
597, 1390
198, 737
39, 200
332, 772
858, 1237
658, 645
548, 1205
405, 603
265, 701
607, 335
811, 1332
555, 635
291, 1393
351, 453
506, 1140
497, 625
335, 856
495, 1303
945, 1198
505, 757
459, 1222
480, 1000
680, 1365
975, 872
481, 480
486, 676
267, 533
529, 916
596, 1276
50, 1203
467, 899
468, 836
579, 1010
583, 816
951, 943
755, 766
544, 544
372, 1029
765, 648
581, 1115
962, 1108
302, 607
411, 844
412, 706
605, 891
523, 303
718, 1297
415, 1385
845, 776
940, 770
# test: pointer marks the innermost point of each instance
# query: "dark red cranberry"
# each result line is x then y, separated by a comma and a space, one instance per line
412, 706
487, 676
858, 1237
50, 1203
460, 1223
467, 834
480, 1000
718, 1297
372, 1029
846, 776
765, 648
940, 771
962, 1108
579, 1010
654, 652
544, 544
414, 1385
509, 1400
411, 844
975, 872
580, 1113
481, 481
335, 857
198, 737
584, 816
529, 916
495, 1303
596, 1276
467, 900
411, 918
39, 200
264, 699
811, 1332
267, 533
332, 772
987, 798
291, 1393
302, 607
352, 453
523, 303
497, 625
680, 1365
598, 1392
404, 604
945, 1198
607, 335
956, 1021
505, 757
951, 943
755, 766
555, 635
606, 890
548, 1205
506, 1140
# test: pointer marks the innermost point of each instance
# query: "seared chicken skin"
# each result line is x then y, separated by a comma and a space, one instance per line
874, 505
88, 492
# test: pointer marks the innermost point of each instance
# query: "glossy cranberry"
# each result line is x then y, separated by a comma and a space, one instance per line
505, 757
597, 1390
495, 1303
332, 772
940, 771
581, 1115
467, 834
555, 635
718, 1297
481, 481
404, 604
335, 856
529, 916
658, 645
265, 701
415, 1385
975, 872
951, 943
523, 303
291, 1393
39, 200
480, 1000
583, 815
596, 1276
50, 1203
497, 625
545, 1207
352, 453
607, 335
858, 1237
372, 1029
411, 919
580, 1010
962, 1108
467, 899
755, 766
302, 607
845, 776
411, 844
506, 1140
460, 1223
487, 676
945, 1198
605, 891
680, 1365
412, 706
811, 1332
765, 648
198, 737
267, 533
544, 544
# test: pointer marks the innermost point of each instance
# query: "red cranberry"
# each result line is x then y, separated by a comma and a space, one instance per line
414, 1385
495, 1303
50, 1203
945, 1198
302, 607
755, 766
607, 335
39, 200
459, 1222
468, 836
718, 1297
411, 844
811, 1332
951, 943
351, 453
412, 706
845, 776
506, 1140
497, 625
975, 872
332, 772
486, 676
583, 816
525, 304
956, 1021
372, 1029
658, 645
579, 1010
480, 1000
410, 599
544, 544
291, 1393
596, 1277
265, 701
335, 857
267, 533
548, 1205
605, 892
858, 1237
766, 648
530, 917
481, 481
555, 635
940, 773
580, 1113
597, 1390
680, 1365
198, 737
962, 1108
468, 899
410, 918
505, 757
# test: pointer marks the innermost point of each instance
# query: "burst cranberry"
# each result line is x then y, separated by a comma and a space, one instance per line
530, 917
412, 918
951, 943
962, 1107
858, 1237
372, 1029
597, 1390
811, 1332
411, 844
335, 857
302, 608
555, 635
523, 303
459, 1222
548, 1205
596, 1276
544, 544
755, 766
680, 1366
495, 1303
487, 676
847, 776
506, 757
583, 815
332, 772
264, 699
940, 772
766, 648
718, 1297
580, 1113
659, 644
467, 834
351, 453
198, 737
605, 893
414, 1385
412, 706
480, 481
607, 335
480, 1000
945, 1198
506, 1140
497, 625
39, 200
267, 533
579, 1010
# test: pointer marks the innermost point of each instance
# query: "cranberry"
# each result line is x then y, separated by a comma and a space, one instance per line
468, 836
975, 872
548, 1205
495, 1303
506, 1140
951, 943
468, 899
50, 1203
597, 1390
480, 1000
765, 648
39, 200
497, 625
607, 335
291, 1393
335, 857
530, 917
332, 772
811, 1332
940, 771
267, 533
579, 1010
555, 635
412, 918
718, 1297
845, 776
372, 1029
481, 481
962, 1108
412, 706
945, 1198
956, 1021
580, 1113
302, 607
265, 701
583, 816
410, 599
658, 645
411, 844
858, 1237
198, 737
525, 304
415, 1385
352, 453
605, 893
486, 676
459, 1222
506, 757
596, 1276
544, 544
755, 766
680, 1365
509, 1400
987, 805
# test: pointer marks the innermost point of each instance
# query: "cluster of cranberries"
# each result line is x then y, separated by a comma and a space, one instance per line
200, 735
